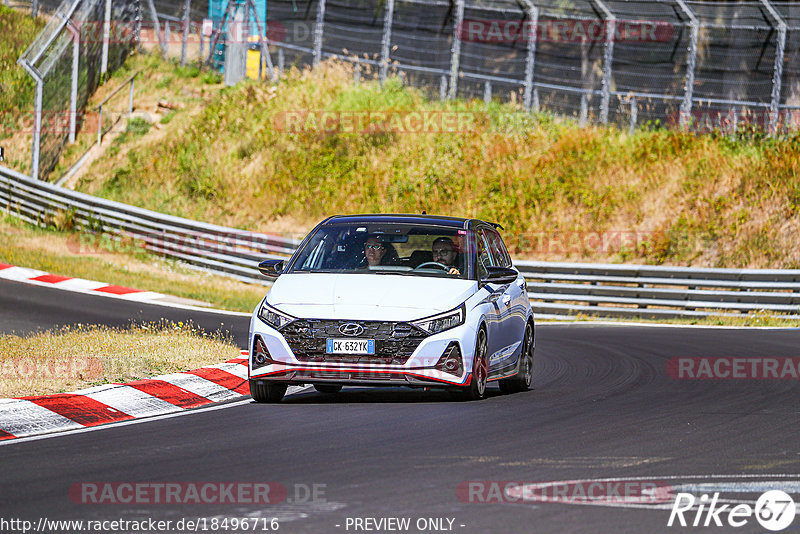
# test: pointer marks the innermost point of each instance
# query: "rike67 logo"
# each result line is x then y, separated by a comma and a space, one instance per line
774, 510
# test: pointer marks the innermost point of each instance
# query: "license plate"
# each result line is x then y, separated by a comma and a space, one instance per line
350, 346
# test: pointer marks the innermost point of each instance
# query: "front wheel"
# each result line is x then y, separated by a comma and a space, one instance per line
522, 380
263, 391
476, 389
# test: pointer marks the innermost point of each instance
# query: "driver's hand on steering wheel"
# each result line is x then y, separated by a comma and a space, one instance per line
454, 271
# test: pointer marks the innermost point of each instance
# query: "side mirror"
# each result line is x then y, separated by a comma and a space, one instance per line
499, 275
271, 268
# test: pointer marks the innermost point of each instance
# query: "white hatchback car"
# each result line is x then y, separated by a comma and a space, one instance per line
394, 300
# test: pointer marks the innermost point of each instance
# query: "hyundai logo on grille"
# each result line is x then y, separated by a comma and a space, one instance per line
351, 329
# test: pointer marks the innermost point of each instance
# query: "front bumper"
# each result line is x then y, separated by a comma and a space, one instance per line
418, 370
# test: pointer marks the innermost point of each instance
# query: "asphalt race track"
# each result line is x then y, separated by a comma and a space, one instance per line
603, 406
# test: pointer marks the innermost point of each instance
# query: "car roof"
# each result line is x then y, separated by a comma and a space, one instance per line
407, 218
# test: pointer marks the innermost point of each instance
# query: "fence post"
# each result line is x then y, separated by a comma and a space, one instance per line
187, 6
157, 27
99, 124
318, 29
634, 115
37, 117
106, 38
386, 42
443, 87
584, 113
487, 91
691, 61
532, 35
73, 94
35, 8
608, 58
777, 73
455, 52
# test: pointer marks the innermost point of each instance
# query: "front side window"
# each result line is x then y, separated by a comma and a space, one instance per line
387, 248
498, 249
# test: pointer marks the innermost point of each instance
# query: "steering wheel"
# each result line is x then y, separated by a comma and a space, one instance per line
441, 266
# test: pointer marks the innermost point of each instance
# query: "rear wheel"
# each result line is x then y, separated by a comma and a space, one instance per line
480, 372
330, 389
267, 391
522, 380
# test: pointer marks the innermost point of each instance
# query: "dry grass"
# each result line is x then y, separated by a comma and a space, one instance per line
74, 358
66, 253
687, 200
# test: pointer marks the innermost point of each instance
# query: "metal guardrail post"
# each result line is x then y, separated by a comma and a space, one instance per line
37, 117
691, 62
35, 8
532, 35
608, 58
455, 51
106, 39
777, 72
187, 7
487, 91
318, 30
386, 41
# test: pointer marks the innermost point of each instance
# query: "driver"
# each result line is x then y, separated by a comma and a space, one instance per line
444, 252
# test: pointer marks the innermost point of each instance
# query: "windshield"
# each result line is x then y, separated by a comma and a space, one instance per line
387, 248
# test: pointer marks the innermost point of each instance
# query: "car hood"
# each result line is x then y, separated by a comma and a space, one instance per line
367, 296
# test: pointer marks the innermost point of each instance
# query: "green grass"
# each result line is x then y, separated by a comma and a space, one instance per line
17, 31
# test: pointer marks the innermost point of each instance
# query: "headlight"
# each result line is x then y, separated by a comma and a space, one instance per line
442, 322
273, 317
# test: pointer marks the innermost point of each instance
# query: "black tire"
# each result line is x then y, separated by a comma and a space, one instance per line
329, 389
476, 389
522, 380
263, 391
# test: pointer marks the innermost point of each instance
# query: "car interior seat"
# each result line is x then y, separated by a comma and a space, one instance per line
418, 257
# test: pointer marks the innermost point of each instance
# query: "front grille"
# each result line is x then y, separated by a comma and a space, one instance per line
394, 341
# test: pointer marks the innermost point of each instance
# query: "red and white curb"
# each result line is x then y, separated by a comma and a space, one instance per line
79, 285
112, 403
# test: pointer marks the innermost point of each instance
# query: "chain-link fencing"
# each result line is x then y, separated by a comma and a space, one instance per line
703, 65
83, 41
637, 63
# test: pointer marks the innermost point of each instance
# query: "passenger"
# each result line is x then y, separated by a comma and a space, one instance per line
379, 253
444, 252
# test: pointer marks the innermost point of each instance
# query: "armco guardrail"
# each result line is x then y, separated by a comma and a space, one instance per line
610, 290
215, 248
554, 288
